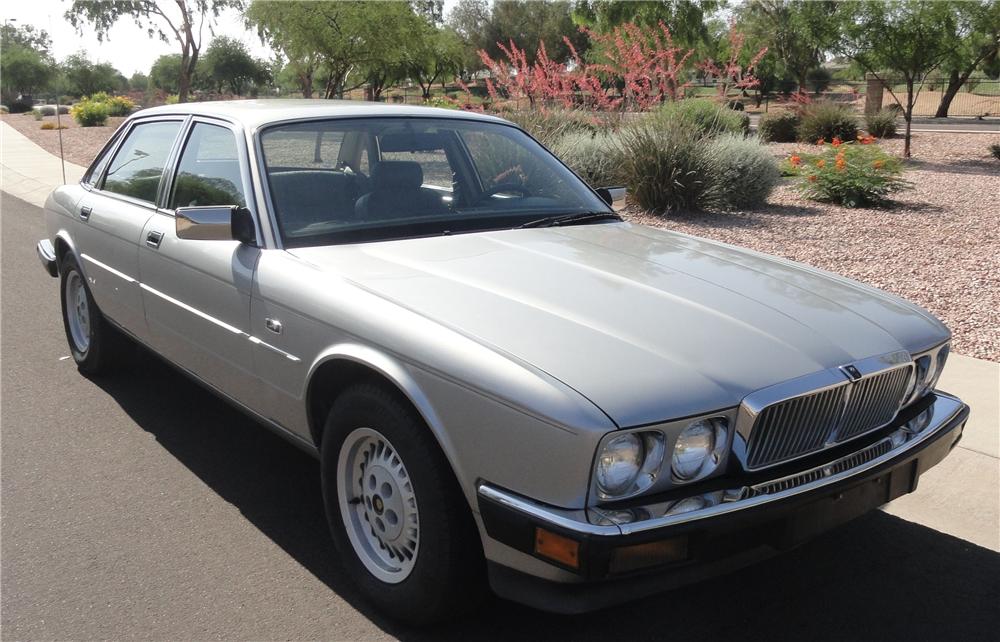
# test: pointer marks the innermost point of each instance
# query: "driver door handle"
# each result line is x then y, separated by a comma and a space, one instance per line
153, 239
85, 212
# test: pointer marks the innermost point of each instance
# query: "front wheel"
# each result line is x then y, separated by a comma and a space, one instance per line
395, 510
97, 347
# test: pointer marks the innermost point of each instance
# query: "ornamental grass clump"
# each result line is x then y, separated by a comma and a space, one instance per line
882, 123
665, 168
592, 156
854, 174
705, 117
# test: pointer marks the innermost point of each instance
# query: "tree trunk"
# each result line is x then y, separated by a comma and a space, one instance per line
183, 83
955, 82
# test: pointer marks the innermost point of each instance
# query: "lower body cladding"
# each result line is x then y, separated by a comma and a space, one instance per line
612, 554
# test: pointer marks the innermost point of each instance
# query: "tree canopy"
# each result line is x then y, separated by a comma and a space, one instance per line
228, 64
183, 25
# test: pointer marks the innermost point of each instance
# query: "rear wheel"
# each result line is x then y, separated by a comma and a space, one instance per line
395, 510
95, 344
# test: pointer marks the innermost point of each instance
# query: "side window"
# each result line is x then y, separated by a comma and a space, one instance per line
209, 169
93, 175
137, 167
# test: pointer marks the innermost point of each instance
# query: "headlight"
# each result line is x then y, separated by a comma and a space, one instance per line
628, 463
927, 369
698, 449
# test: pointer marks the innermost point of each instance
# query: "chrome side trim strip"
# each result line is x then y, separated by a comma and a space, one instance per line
943, 411
120, 275
264, 344
194, 311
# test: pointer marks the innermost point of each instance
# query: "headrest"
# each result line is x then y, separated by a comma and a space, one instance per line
398, 175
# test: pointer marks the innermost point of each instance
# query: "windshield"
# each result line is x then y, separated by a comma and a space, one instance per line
350, 180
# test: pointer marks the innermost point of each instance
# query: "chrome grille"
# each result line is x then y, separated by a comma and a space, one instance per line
873, 402
798, 426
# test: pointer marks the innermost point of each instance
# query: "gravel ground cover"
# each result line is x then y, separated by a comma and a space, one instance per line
938, 245
80, 144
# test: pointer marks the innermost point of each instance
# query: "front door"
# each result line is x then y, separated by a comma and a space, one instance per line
197, 293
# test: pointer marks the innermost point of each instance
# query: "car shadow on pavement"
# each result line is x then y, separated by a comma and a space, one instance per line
878, 577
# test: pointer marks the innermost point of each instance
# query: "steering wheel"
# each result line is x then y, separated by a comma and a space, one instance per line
507, 187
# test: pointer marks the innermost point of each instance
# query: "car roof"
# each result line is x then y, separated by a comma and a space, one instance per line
256, 113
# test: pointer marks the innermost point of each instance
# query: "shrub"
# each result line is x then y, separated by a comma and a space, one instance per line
778, 127
826, 121
172, 99
88, 113
119, 105
551, 125
995, 150
18, 106
592, 156
442, 102
706, 117
664, 168
882, 123
37, 113
851, 174
52, 126
4, 109
742, 171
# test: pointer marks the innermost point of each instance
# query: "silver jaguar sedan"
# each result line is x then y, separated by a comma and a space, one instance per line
506, 384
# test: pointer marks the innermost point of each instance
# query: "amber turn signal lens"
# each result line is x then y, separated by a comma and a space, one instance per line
557, 548
632, 558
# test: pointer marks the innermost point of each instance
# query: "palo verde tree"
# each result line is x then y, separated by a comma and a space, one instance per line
797, 33
83, 77
898, 40
180, 21
346, 40
975, 43
433, 56
228, 64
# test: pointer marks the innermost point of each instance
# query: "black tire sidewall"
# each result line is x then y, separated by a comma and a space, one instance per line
448, 576
88, 359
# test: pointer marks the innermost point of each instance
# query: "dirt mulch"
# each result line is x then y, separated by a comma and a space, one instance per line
938, 245
80, 144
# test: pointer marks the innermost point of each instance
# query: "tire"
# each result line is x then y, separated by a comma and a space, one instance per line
420, 576
97, 346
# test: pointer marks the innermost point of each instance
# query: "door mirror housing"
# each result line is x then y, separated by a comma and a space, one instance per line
613, 196
215, 223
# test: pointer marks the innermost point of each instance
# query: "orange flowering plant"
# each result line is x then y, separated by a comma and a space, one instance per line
854, 174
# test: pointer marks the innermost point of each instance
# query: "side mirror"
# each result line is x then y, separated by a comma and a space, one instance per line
613, 196
215, 223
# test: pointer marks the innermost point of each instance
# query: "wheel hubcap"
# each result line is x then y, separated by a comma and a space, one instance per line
378, 505
77, 311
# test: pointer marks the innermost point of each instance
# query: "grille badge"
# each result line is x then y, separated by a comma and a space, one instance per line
851, 371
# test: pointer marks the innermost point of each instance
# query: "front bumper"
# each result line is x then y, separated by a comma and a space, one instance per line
629, 551
47, 255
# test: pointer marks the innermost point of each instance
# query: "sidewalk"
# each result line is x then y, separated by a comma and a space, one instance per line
961, 496
29, 172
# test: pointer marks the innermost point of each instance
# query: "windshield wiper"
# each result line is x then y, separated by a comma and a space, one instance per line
563, 219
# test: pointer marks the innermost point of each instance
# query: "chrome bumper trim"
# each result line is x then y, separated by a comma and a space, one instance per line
47, 255
600, 521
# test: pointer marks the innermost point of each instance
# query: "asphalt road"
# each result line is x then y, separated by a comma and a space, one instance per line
142, 507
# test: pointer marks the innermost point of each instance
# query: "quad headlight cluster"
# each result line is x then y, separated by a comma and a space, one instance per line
629, 463
926, 371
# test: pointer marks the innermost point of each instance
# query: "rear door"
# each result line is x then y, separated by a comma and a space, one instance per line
197, 293
113, 213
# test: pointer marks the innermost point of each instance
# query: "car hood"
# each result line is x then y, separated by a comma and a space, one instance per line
648, 324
